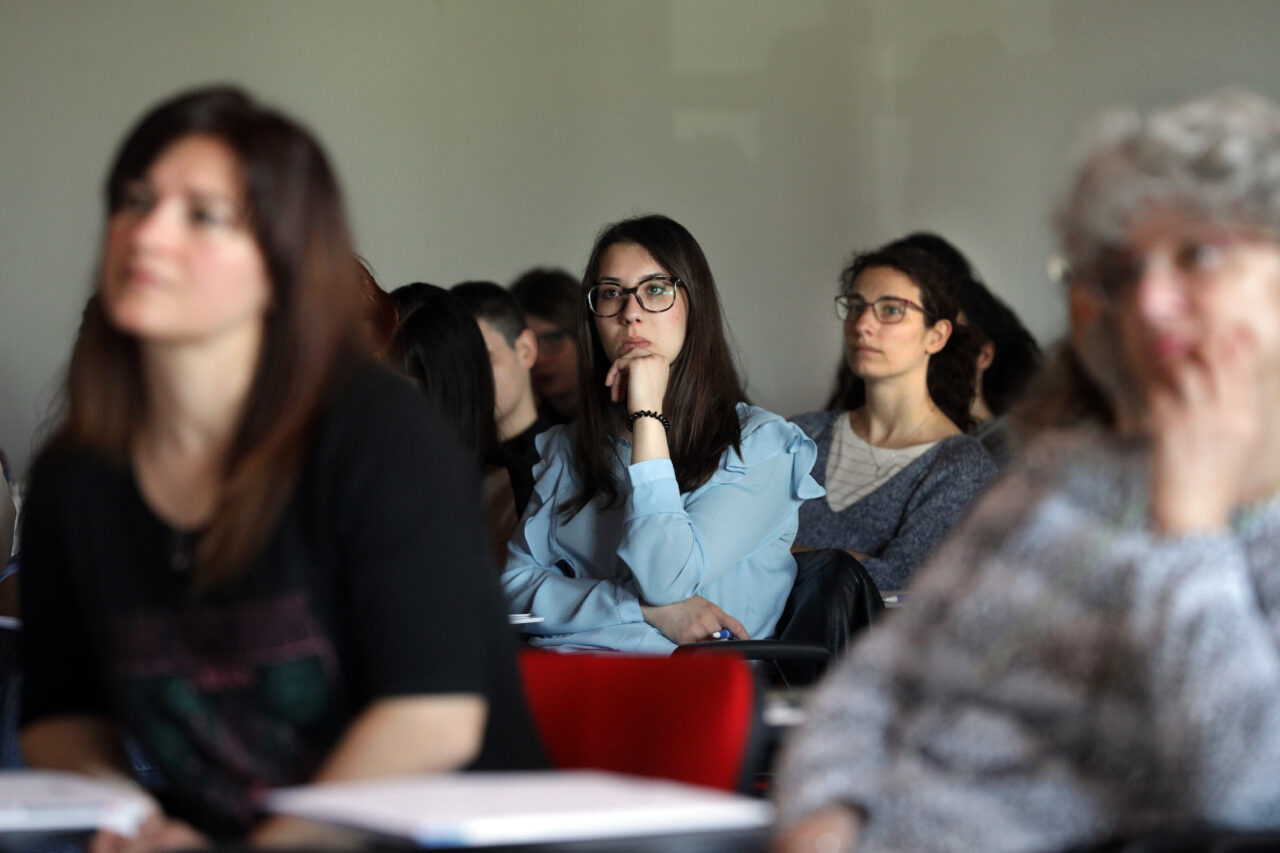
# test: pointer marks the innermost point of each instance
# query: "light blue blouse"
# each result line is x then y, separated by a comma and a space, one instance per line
729, 540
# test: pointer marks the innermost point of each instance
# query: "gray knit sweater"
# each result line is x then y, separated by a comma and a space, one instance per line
1060, 674
900, 522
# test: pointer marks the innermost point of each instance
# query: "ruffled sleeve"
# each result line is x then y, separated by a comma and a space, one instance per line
766, 440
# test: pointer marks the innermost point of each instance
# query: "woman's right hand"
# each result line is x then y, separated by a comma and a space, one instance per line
691, 621
1206, 426
639, 376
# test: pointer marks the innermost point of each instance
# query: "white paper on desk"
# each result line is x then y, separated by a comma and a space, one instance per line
466, 809
51, 801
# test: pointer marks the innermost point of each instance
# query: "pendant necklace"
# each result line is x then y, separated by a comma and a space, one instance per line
882, 469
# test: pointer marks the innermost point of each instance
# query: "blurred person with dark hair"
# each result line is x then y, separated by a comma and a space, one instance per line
513, 349
407, 296
665, 514
549, 299
380, 315
899, 470
238, 548
1093, 654
439, 345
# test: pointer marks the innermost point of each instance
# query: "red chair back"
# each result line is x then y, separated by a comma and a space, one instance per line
687, 718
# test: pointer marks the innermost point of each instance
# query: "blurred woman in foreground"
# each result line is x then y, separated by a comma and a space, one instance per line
239, 547
1094, 651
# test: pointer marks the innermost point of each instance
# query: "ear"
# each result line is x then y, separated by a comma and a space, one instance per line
986, 355
526, 348
937, 336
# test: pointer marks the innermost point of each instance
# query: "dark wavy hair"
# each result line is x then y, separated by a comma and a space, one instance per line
1017, 356
312, 333
950, 375
439, 345
704, 387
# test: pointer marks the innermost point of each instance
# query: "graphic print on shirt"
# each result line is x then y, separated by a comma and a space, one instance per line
229, 701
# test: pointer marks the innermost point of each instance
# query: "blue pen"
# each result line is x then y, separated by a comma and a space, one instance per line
722, 634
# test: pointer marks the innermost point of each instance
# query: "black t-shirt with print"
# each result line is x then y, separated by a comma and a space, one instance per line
376, 583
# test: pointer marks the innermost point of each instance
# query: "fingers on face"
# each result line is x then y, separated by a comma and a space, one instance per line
1213, 391
1220, 371
639, 354
620, 366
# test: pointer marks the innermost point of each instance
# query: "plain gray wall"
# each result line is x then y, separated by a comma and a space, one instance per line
476, 138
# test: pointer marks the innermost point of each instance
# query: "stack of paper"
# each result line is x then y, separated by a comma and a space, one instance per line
48, 801
462, 809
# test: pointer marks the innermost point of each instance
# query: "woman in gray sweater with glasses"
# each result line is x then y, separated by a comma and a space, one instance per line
898, 470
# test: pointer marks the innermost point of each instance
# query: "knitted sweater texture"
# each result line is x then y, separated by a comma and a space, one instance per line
899, 523
1060, 674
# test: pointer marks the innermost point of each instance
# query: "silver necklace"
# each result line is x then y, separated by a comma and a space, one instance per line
882, 469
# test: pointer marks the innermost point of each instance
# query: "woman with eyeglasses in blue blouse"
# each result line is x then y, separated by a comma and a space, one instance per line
666, 513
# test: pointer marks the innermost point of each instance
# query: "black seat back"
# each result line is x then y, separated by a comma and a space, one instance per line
833, 599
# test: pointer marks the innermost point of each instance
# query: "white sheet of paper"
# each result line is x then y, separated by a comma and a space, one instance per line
51, 801
466, 809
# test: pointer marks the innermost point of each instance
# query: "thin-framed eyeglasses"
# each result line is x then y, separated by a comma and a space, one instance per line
887, 309
654, 295
1192, 260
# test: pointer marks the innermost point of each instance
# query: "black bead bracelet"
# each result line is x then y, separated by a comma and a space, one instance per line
647, 413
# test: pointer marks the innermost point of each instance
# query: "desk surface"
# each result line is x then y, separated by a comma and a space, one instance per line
729, 841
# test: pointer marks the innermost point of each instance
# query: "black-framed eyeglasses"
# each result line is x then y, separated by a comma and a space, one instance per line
654, 295
887, 309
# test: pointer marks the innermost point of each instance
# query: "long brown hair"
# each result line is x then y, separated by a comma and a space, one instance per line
295, 212
702, 391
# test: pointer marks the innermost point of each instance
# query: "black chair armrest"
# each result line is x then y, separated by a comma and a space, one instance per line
758, 649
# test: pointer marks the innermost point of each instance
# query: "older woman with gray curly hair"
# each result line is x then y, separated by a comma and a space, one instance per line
1096, 651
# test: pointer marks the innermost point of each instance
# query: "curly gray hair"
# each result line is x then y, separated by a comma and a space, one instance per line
1214, 159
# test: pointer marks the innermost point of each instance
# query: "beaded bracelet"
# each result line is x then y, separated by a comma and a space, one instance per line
647, 413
